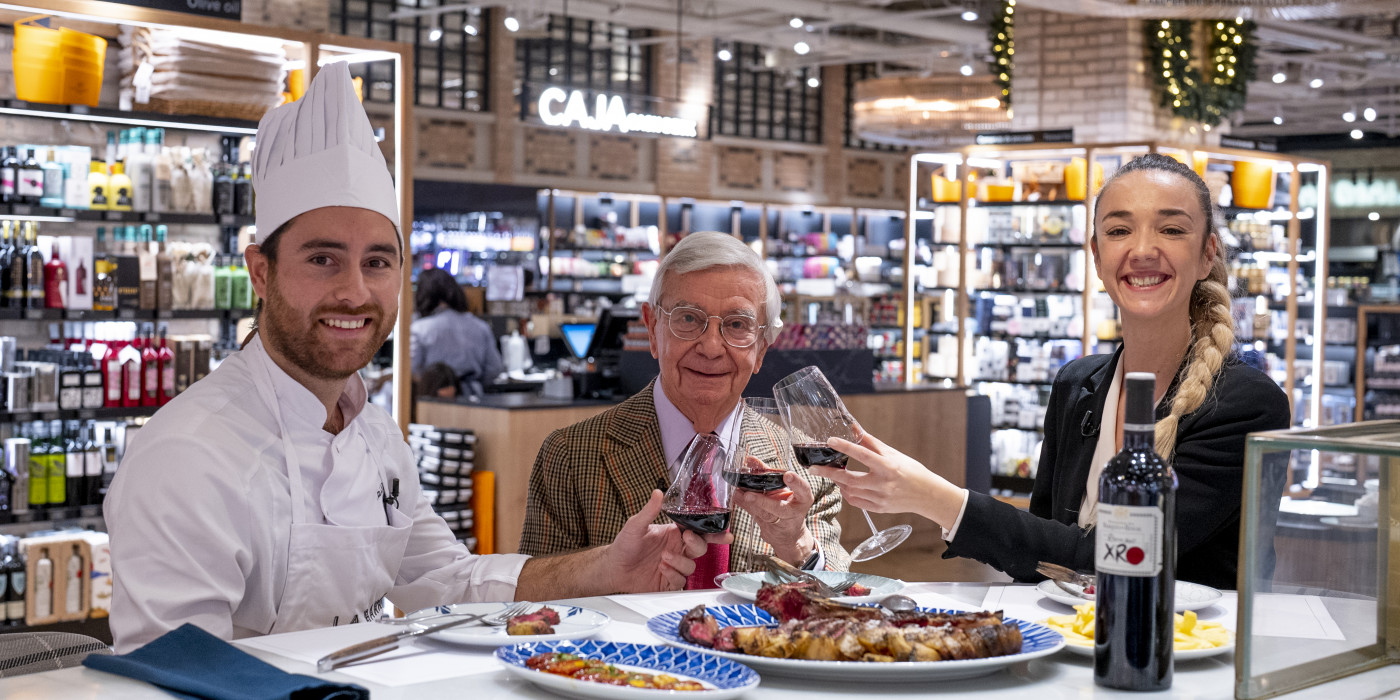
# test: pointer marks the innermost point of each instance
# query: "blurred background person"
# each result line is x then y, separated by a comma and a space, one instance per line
444, 331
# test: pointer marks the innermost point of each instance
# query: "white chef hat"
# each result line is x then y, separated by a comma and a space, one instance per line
319, 152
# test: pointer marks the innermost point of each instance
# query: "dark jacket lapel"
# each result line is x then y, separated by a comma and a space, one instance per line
1088, 404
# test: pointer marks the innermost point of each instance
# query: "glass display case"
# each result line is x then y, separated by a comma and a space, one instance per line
1316, 592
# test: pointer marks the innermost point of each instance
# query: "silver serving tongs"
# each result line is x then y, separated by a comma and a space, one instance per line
1067, 579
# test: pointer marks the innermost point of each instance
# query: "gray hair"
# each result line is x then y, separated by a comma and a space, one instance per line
703, 250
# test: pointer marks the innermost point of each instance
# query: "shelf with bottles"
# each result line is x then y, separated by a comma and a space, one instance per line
58, 469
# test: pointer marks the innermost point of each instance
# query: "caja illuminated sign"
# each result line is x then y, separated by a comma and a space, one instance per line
609, 113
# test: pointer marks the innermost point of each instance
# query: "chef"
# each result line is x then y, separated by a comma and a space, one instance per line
271, 497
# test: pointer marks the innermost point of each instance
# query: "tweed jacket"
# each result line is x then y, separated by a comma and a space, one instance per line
590, 477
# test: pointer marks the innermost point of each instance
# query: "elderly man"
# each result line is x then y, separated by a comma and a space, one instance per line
272, 497
713, 310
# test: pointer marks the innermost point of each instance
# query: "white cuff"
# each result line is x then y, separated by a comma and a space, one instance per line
950, 532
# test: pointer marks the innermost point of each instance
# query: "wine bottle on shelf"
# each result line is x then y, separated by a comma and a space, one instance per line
165, 271
1135, 554
29, 186
130, 359
73, 466
9, 176
33, 267
43, 585
166, 360
38, 466
92, 468
58, 467
9, 276
73, 590
150, 371
12, 572
243, 192
112, 374
55, 280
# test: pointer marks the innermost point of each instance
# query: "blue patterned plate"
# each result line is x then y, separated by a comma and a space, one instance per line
1037, 641
574, 623
723, 679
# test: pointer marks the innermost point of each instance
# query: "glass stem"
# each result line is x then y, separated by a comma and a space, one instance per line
869, 522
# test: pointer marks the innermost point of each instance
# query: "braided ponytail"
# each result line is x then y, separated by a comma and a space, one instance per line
1212, 325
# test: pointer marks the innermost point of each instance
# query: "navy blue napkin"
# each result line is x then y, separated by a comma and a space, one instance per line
191, 663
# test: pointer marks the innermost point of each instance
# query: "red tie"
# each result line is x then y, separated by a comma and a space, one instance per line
715, 560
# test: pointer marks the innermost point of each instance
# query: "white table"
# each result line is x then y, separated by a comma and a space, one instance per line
1059, 676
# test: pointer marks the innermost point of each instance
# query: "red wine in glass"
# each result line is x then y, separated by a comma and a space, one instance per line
761, 481
701, 520
810, 453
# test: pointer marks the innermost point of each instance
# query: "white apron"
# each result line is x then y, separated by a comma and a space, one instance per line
336, 574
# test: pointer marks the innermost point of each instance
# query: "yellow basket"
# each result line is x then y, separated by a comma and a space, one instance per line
57, 66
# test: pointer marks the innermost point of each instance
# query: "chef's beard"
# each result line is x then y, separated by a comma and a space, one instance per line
293, 336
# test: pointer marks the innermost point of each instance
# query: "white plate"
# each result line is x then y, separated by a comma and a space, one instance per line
1038, 641
722, 678
746, 585
1083, 649
1355, 522
574, 623
1189, 596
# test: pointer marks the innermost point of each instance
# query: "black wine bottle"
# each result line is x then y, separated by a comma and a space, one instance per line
1135, 554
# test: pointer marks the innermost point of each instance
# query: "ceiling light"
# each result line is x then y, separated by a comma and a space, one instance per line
796, 23
801, 48
1374, 216
512, 24
814, 82
969, 15
1316, 83
966, 69
1278, 120
435, 33
1369, 114
470, 29
1280, 77
1349, 116
1206, 127
724, 54
1356, 133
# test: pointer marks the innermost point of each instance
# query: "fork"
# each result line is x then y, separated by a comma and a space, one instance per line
379, 645
784, 570
494, 620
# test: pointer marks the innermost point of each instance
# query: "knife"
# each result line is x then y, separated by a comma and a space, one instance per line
389, 642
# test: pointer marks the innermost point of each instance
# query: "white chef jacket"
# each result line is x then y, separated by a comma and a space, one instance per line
200, 510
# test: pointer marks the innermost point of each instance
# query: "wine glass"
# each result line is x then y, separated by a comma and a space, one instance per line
813, 412
762, 454
698, 499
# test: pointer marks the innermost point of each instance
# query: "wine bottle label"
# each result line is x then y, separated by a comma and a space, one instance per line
1129, 540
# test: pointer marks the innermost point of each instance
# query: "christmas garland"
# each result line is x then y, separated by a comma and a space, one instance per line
1002, 37
1209, 100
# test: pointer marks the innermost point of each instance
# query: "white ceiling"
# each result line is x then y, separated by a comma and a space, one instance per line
1357, 58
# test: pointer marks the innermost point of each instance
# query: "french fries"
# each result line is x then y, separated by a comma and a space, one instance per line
1191, 634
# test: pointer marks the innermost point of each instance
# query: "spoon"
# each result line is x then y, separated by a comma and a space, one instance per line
898, 603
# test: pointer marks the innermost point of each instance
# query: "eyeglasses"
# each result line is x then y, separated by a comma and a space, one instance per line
689, 323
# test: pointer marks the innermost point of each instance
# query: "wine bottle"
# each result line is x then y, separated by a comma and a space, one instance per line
8, 276
38, 466
12, 570
9, 175
55, 280
150, 371
33, 267
29, 186
43, 585
92, 468
166, 360
1135, 554
73, 465
58, 466
73, 580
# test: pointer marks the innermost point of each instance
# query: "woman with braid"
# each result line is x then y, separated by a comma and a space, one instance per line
1157, 248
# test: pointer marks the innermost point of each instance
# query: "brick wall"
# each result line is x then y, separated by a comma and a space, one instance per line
1090, 74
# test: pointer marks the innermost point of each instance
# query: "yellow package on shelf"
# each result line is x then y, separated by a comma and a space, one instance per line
57, 66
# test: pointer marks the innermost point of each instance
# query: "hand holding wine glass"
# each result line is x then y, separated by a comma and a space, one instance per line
813, 413
698, 499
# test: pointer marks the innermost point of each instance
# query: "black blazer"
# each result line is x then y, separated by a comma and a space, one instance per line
1209, 465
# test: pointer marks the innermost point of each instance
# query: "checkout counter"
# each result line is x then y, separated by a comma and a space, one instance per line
946, 429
